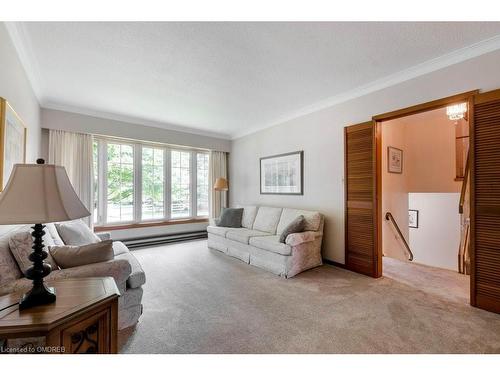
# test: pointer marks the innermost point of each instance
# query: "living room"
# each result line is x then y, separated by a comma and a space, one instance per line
188, 187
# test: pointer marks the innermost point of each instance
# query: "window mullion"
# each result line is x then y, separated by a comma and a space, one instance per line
137, 182
104, 181
167, 170
193, 184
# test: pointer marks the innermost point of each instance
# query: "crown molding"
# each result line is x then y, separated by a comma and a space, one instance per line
24, 49
131, 120
429, 66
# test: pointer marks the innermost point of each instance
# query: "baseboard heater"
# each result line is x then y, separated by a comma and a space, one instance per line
164, 238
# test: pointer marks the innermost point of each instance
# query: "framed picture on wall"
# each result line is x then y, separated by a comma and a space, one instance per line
282, 174
394, 160
12, 141
413, 218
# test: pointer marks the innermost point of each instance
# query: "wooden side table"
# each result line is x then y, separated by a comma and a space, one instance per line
84, 318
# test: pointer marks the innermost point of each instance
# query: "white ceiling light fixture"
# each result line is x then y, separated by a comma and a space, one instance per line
457, 111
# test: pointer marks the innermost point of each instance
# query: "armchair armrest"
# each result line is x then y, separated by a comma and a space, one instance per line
295, 239
104, 236
119, 269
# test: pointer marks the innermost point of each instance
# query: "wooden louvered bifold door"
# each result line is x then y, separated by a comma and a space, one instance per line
485, 201
360, 195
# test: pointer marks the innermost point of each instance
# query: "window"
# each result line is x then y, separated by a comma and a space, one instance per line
202, 184
120, 182
180, 184
153, 182
140, 182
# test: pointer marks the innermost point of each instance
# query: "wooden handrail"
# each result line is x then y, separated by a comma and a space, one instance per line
389, 217
464, 186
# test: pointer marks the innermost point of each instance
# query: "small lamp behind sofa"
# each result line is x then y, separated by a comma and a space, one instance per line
221, 184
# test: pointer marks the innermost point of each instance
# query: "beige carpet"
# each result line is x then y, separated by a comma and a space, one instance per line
198, 300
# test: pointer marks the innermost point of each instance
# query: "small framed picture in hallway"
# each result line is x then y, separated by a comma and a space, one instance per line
413, 218
394, 160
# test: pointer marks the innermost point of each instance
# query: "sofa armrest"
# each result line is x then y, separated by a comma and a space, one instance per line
119, 269
295, 239
104, 236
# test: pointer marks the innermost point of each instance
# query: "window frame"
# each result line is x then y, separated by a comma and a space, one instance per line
100, 221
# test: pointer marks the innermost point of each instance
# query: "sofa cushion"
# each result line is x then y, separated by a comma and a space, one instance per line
137, 276
271, 243
230, 218
249, 214
52, 231
9, 270
21, 246
296, 226
68, 256
119, 248
243, 235
219, 231
267, 219
313, 219
76, 233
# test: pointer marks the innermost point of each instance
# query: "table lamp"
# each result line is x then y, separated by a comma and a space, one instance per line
35, 194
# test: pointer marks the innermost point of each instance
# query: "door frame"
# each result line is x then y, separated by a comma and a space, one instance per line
377, 120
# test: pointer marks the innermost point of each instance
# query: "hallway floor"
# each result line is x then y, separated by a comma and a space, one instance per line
440, 282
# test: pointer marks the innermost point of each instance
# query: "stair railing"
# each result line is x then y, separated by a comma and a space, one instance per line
463, 192
464, 210
389, 217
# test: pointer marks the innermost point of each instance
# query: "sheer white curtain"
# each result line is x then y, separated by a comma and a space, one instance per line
74, 152
217, 168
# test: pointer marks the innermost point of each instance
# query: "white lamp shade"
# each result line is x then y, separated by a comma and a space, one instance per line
39, 193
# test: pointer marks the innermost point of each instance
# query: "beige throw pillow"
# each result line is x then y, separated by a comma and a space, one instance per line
20, 245
68, 256
76, 233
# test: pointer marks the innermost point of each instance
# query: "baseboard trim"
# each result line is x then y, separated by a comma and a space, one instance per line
163, 239
333, 263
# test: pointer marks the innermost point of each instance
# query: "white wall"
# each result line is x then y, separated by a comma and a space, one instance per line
75, 122
16, 89
436, 240
320, 135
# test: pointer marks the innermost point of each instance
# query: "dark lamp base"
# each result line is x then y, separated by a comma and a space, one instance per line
39, 295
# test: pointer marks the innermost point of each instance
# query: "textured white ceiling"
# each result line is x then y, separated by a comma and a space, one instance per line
224, 78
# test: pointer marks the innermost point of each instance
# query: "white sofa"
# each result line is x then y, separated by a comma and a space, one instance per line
257, 242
